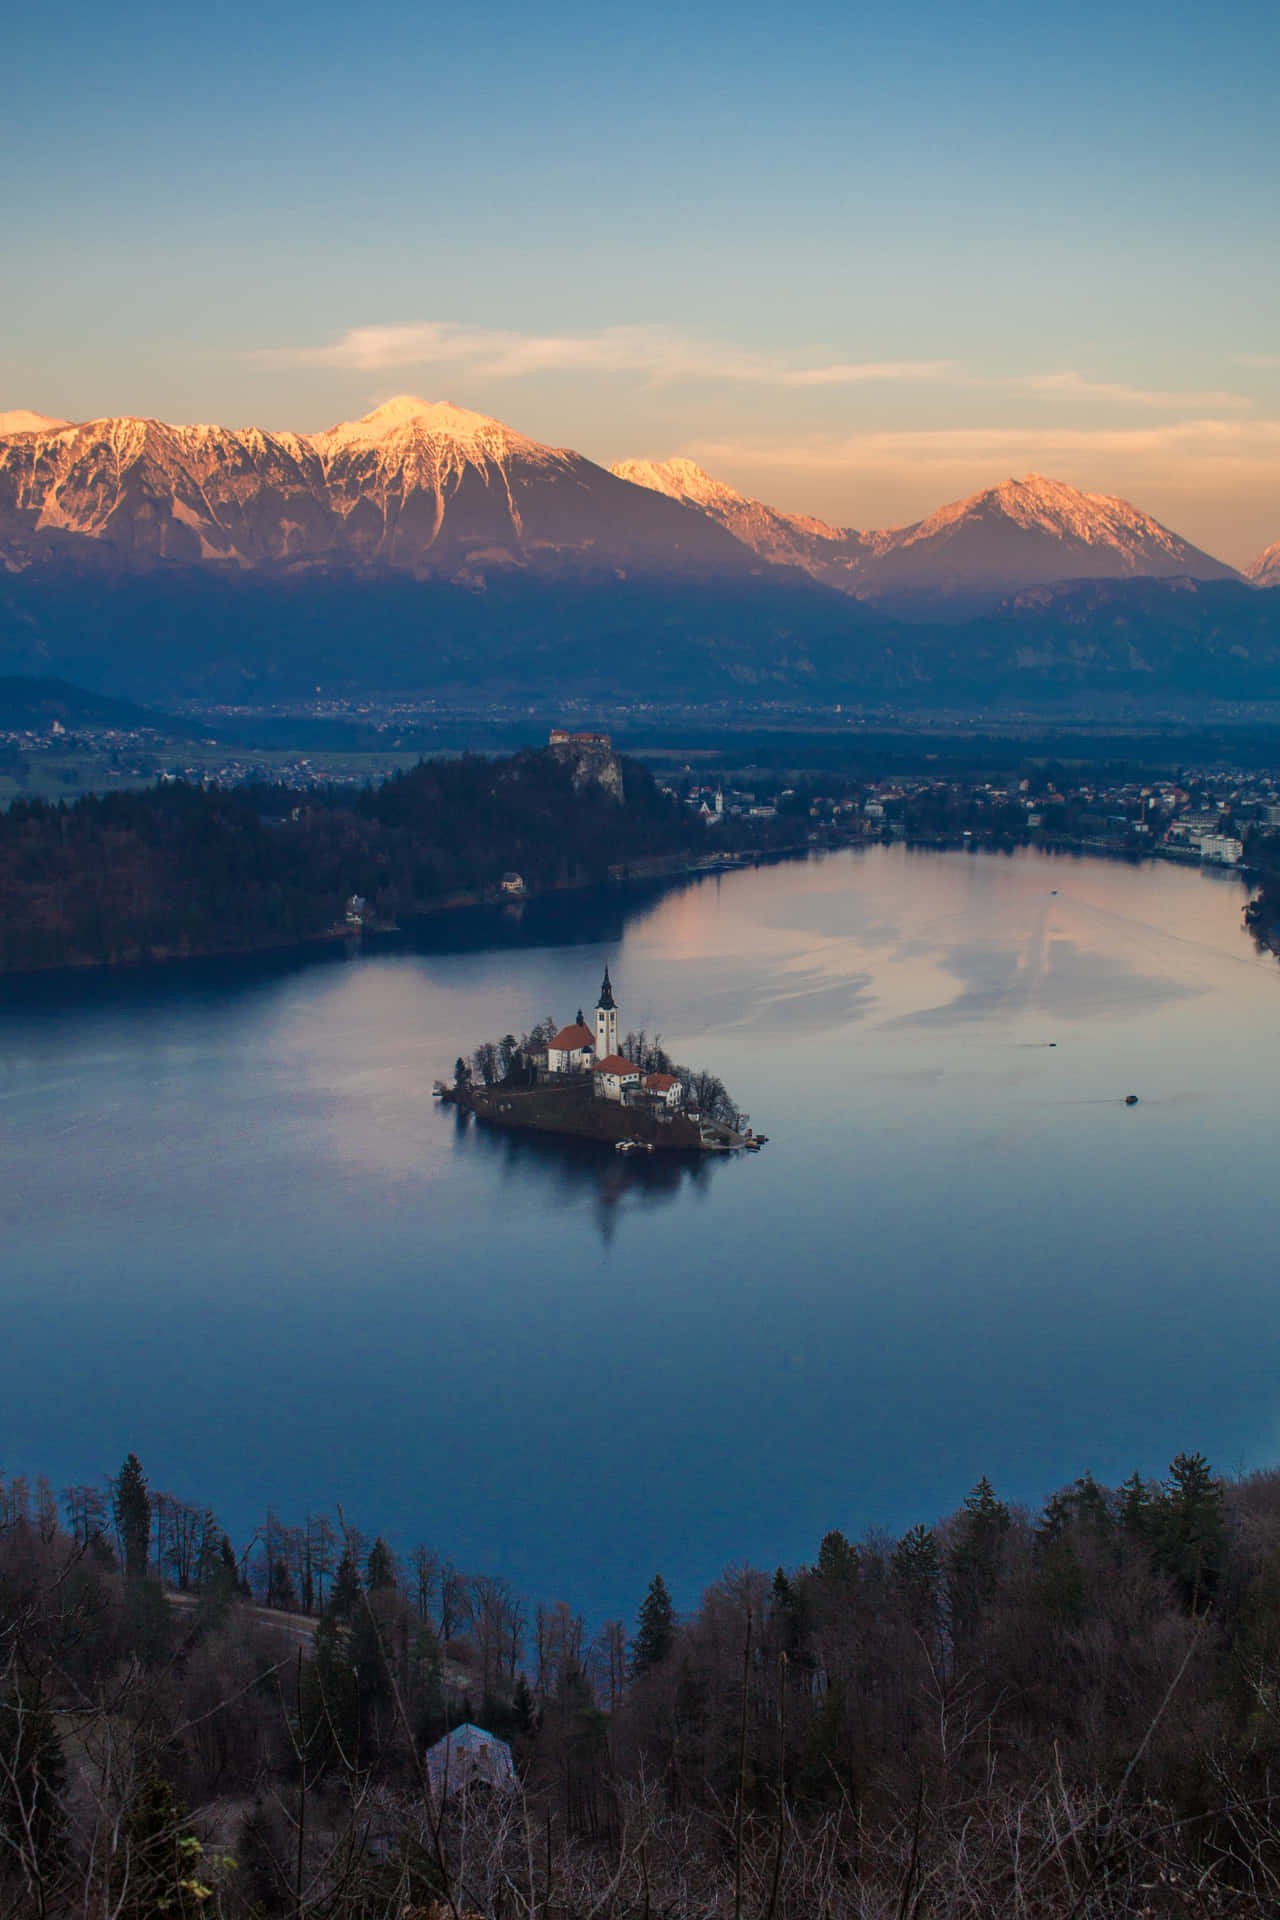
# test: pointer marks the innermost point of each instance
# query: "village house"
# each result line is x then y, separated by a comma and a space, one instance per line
615, 1077
663, 1088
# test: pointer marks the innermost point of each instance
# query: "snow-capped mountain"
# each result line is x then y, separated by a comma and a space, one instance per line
429, 488
831, 554
1019, 534
1026, 532
1265, 570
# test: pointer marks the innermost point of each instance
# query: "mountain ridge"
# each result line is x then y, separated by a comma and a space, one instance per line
1016, 534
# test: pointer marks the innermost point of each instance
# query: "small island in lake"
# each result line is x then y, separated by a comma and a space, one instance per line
575, 1080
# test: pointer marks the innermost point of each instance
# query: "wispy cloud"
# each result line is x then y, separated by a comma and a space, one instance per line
1205, 440
1074, 385
1268, 362
661, 355
657, 353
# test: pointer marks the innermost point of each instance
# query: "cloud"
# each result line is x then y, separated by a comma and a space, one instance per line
1269, 362
1079, 385
658, 353
661, 355
1205, 440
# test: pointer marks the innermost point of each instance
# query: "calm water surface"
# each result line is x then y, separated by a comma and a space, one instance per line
241, 1239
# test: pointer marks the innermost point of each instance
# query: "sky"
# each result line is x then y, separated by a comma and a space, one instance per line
856, 261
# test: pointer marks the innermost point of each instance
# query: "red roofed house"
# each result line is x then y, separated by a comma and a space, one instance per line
664, 1087
571, 1050
614, 1076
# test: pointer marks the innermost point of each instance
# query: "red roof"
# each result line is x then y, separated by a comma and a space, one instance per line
569, 1039
660, 1082
614, 1063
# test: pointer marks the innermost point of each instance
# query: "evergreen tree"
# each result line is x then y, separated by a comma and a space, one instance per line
1135, 1506
380, 1567
160, 1859
656, 1629
133, 1517
975, 1554
837, 1560
1190, 1529
344, 1595
916, 1567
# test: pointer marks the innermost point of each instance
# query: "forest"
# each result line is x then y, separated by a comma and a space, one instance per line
188, 869
1072, 1712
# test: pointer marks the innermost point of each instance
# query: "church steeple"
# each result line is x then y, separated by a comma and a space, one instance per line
606, 1020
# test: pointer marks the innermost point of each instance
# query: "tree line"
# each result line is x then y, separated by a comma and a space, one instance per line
184, 868
1072, 1712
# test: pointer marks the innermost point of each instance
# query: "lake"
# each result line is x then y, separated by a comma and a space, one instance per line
243, 1241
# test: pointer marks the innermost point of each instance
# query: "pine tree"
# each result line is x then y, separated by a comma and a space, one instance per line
380, 1567
133, 1517
344, 1596
656, 1629
837, 1560
1190, 1529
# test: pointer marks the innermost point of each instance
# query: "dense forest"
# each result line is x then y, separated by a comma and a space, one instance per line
199, 869
1073, 1712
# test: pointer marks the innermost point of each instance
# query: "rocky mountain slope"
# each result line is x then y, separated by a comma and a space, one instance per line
967, 555
430, 489
1265, 570
834, 555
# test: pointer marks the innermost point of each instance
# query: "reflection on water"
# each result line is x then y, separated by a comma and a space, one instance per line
243, 1240
583, 1174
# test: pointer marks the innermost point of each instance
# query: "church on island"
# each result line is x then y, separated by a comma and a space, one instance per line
576, 1049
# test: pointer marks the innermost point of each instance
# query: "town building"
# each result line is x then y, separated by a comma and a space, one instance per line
615, 1077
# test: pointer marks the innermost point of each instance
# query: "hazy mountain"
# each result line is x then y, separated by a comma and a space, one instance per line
431, 489
966, 556
1265, 570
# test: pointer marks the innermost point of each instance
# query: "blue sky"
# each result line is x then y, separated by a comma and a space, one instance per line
856, 261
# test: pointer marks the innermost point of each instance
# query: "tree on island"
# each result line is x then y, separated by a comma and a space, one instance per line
655, 1630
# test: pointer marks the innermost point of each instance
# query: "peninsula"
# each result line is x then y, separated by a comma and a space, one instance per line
576, 1080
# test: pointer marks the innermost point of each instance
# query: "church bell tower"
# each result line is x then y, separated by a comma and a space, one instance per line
606, 1020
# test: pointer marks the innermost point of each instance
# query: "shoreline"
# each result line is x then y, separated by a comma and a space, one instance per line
657, 867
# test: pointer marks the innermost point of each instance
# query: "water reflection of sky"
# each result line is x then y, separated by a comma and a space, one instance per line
242, 1239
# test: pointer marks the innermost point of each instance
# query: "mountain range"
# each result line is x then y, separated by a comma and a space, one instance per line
428, 546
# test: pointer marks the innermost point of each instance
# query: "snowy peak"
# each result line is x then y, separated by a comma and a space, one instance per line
407, 417
1051, 506
22, 420
829, 554
1265, 570
1022, 533
423, 486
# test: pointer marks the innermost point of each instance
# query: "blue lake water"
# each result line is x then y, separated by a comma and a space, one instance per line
240, 1238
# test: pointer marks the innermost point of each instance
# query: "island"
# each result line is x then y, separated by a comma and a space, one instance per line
579, 1080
